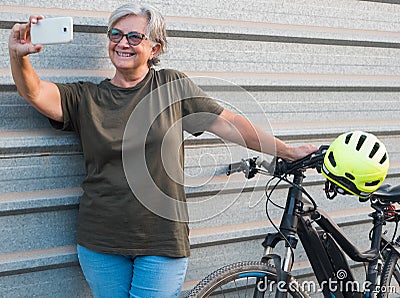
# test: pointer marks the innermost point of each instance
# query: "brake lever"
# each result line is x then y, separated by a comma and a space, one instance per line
268, 166
251, 168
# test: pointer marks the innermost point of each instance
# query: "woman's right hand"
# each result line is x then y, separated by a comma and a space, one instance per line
19, 43
43, 95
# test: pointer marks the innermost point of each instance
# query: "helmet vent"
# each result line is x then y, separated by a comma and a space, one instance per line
383, 159
373, 183
348, 137
332, 159
374, 150
350, 176
361, 141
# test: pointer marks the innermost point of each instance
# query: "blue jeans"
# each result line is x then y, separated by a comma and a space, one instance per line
121, 276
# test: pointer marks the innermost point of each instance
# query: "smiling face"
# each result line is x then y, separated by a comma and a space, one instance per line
132, 60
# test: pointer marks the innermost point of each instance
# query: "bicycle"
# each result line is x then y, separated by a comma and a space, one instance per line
323, 240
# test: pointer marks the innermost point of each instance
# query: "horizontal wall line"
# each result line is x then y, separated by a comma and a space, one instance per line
297, 137
266, 88
8, 88
281, 39
383, 1
39, 210
241, 36
250, 88
39, 268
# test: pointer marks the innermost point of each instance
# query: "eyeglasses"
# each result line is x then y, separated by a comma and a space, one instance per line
133, 38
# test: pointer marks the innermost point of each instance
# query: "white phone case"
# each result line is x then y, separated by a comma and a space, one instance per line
52, 31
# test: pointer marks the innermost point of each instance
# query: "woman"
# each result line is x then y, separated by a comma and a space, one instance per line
124, 248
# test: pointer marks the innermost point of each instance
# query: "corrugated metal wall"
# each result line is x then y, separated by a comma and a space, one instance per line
313, 69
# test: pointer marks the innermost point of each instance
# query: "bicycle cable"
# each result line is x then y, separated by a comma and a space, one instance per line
268, 195
269, 200
395, 231
303, 191
271, 191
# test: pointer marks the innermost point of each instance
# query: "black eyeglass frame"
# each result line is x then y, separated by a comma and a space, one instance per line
139, 36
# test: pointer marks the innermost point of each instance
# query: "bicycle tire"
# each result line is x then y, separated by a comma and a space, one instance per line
390, 278
235, 279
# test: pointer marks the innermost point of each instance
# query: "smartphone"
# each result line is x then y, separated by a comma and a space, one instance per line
52, 31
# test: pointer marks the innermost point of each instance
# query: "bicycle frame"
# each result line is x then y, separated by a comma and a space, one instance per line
324, 247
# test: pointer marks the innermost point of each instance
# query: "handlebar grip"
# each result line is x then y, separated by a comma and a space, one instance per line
235, 167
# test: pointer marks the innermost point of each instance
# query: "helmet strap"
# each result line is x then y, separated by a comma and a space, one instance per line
330, 190
364, 199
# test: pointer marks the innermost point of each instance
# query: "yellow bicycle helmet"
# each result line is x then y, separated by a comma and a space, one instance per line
357, 163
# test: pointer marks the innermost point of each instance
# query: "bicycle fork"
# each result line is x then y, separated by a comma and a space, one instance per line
287, 233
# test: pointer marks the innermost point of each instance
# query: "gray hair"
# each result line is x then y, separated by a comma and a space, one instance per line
155, 24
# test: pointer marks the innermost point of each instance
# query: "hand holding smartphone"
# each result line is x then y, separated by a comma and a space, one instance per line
52, 31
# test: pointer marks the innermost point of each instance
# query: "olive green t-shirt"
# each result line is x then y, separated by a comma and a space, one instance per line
132, 141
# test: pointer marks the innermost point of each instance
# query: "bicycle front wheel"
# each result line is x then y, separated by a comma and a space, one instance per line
243, 279
390, 278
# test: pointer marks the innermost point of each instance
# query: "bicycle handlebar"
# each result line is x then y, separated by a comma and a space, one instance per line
247, 166
278, 166
311, 161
